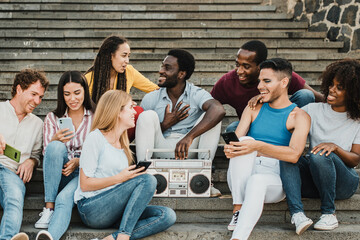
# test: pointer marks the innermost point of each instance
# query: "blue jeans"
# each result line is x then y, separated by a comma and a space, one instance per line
12, 193
126, 207
316, 176
300, 98
55, 157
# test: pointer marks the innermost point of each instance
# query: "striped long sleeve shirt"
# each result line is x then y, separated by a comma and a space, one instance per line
73, 146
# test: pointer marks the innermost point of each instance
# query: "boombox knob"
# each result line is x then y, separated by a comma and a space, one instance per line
161, 183
199, 184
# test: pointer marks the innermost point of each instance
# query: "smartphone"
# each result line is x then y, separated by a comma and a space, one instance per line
12, 153
230, 137
66, 123
145, 164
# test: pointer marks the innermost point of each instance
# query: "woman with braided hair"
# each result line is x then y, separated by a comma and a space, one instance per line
111, 70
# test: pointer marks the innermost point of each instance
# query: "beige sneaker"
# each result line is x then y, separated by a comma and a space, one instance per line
20, 236
214, 192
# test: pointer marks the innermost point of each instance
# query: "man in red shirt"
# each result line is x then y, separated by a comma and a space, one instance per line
238, 87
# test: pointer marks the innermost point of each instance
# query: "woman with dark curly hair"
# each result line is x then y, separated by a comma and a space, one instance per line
111, 70
327, 170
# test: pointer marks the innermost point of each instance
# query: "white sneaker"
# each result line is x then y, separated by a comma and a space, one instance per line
45, 215
327, 222
43, 235
232, 224
214, 192
20, 236
301, 222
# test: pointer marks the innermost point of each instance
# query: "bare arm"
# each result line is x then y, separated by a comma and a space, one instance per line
215, 112
93, 184
289, 153
351, 159
245, 121
318, 96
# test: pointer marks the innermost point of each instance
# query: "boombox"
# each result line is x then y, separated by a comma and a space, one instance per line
181, 178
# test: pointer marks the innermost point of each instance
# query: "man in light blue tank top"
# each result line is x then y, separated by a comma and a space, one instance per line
272, 131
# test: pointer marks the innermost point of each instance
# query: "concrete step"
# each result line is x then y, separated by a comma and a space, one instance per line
138, 56
216, 231
218, 210
162, 45
184, 34
153, 66
138, 1
147, 15
135, 7
155, 24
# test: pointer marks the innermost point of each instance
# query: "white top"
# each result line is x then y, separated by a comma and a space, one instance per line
99, 159
25, 136
330, 126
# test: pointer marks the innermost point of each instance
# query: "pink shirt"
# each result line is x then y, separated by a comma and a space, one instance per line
73, 146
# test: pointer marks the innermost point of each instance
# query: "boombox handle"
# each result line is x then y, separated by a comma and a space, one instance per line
163, 150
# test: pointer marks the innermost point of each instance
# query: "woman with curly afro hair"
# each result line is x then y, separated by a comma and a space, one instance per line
327, 170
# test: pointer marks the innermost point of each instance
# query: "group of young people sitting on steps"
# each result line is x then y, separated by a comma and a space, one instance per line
93, 168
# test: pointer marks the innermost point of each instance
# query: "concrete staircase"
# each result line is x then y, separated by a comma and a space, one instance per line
60, 35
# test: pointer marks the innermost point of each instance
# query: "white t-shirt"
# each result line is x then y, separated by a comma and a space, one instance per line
330, 126
99, 159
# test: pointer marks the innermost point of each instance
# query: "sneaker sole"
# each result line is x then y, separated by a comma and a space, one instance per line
231, 227
215, 195
327, 228
304, 228
41, 226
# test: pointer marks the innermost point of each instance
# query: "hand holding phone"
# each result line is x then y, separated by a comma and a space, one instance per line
229, 137
12, 153
145, 164
66, 123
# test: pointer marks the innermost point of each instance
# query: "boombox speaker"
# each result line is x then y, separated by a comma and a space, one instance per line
181, 178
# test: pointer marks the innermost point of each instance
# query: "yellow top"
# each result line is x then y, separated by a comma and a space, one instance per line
133, 78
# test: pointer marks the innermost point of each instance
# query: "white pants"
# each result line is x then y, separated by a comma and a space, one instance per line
148, 135
253, 181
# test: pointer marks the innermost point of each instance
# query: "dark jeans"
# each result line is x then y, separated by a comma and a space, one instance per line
316, 176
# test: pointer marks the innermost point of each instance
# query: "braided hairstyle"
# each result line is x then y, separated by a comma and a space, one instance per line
102, 67
347, 73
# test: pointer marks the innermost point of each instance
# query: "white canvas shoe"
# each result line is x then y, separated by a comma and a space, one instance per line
301, 222
327, 222
45, 215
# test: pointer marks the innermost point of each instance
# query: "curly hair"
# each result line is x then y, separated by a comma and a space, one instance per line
102, 67
347, 73
26, 77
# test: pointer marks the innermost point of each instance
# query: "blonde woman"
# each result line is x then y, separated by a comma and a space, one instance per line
111, 191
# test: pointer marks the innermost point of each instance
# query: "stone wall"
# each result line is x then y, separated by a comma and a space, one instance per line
339, 18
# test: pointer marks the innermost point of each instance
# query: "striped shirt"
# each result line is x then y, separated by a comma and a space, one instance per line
73, 146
